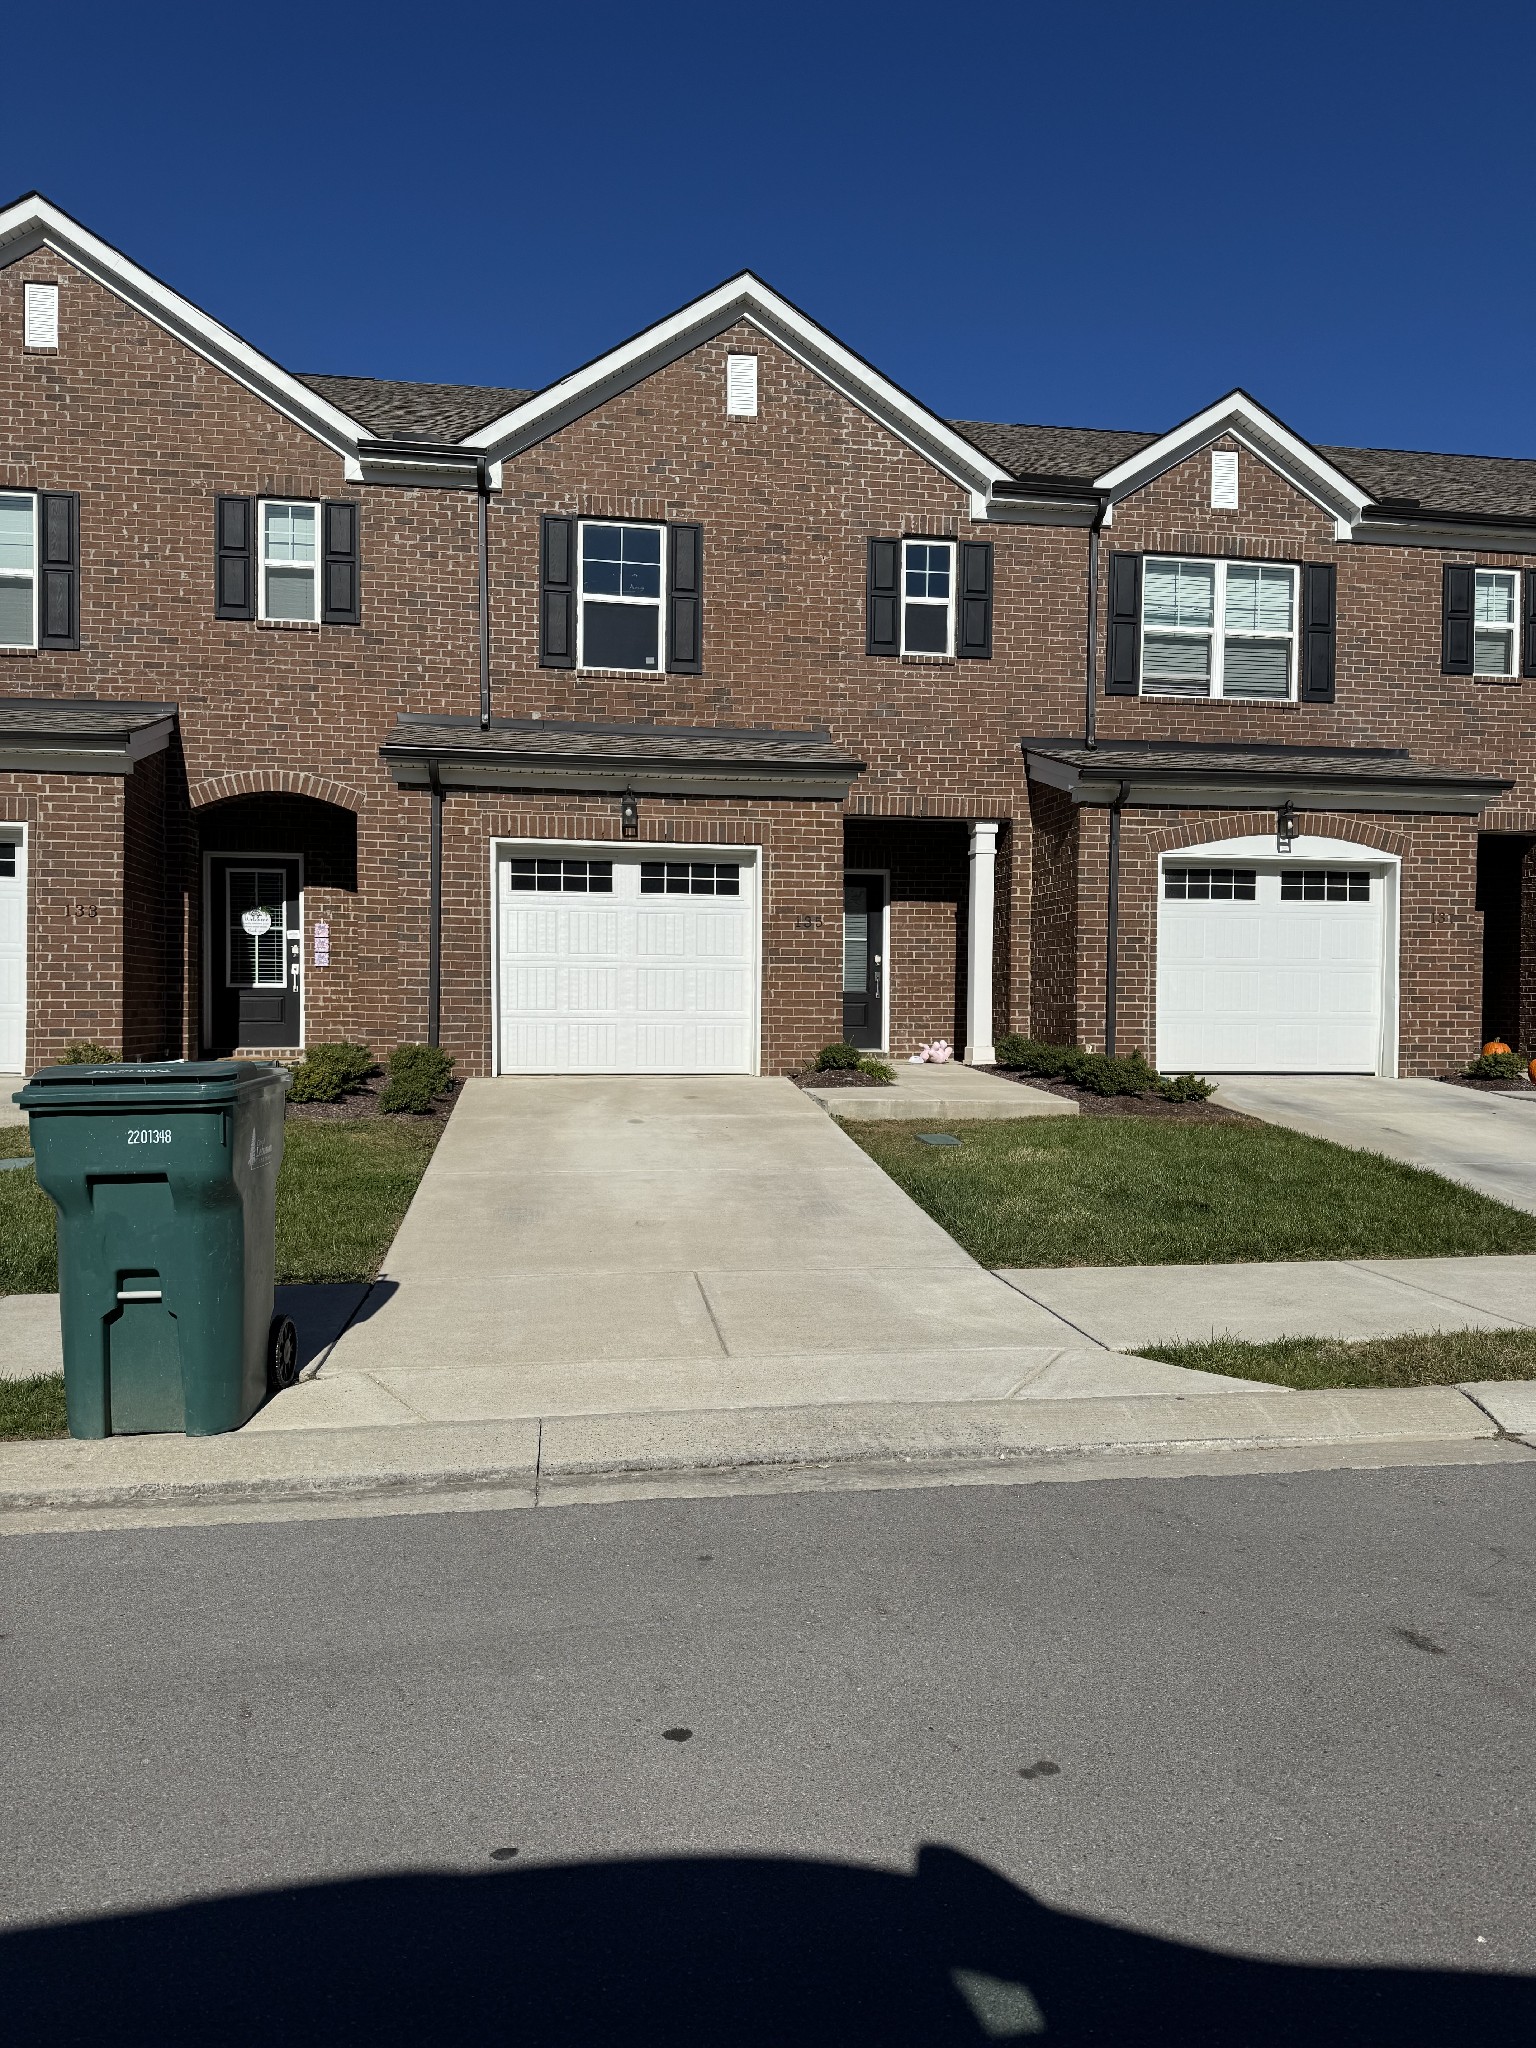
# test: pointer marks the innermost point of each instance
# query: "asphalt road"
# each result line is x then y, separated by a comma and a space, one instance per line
1201, 1759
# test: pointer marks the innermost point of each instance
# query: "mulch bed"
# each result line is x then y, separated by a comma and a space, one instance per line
837, 1077
1520, 1087
1149, 1104
364, 1102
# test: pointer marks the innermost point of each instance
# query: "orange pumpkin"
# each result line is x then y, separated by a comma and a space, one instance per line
1531, 1070
1494, 1045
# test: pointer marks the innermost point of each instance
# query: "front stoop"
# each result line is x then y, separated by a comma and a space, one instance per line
923, 1092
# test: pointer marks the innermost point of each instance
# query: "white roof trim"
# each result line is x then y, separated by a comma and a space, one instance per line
1271, 439
34, 223
743, 297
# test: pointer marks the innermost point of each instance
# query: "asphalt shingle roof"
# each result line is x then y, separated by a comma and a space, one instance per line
544, 739
1503, 485
396, 411
1109, 762
83, 719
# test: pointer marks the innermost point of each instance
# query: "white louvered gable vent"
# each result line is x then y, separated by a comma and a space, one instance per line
1224, 479
42, 315
741, 387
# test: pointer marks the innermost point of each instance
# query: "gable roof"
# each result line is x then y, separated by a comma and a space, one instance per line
743, 297
33, 222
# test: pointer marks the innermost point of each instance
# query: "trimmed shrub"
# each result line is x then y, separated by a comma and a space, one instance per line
87, 1055
1496, 1066
838, 1058
328, 1072
1098, 1074
1184, 1088
418, 1074
1031, 1055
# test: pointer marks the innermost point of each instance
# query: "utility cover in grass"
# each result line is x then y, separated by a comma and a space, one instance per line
936, 1138
1136, 1191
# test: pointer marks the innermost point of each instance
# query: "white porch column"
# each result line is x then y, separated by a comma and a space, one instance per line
979, 1049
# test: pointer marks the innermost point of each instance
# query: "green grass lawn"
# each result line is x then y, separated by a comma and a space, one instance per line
33, 1408
342, 1192
1137, 1191
1434, 1361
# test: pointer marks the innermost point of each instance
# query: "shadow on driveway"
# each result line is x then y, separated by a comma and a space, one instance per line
744, 1952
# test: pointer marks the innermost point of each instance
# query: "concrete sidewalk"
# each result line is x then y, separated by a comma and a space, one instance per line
645, 1244
1487, 1142
1129, 1306
942, 1093
60, 1485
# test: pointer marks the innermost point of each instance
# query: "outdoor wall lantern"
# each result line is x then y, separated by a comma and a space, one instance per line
1285, 826
629, 816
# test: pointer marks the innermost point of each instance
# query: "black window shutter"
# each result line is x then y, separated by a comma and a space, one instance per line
341, 599
1122, 672
685, 600
557, 593
234, 566
1528, 619
883, 598
1317, 632
974, 639
1456, 620
58, 609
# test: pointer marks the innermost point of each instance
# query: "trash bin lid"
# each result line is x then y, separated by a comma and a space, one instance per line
168, 1084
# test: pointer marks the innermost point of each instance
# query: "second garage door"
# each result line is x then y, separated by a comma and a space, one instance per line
13, 953
1270, 970
627, 963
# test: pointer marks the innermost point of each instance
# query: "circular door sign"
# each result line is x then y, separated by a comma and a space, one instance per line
256, 922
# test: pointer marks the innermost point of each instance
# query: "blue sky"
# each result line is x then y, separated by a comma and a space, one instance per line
1095, 215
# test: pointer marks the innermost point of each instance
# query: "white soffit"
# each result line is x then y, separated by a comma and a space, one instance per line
1270, 439
741, 298
34, 223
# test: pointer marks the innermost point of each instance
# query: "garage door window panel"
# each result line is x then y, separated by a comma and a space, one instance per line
1218, 629
562, 877
1326, 885
1210, 885
620, 623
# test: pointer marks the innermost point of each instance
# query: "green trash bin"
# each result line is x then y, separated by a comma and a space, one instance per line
165, 1182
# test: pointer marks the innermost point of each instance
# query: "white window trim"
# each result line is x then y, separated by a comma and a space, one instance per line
10, 576
658, 604
262, 565
1306, 851
1498, 675
923, 540
1217, 631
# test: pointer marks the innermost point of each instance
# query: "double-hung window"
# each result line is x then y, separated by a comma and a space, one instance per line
622, 579
1495, 600
927, 596
290, 569
1218, 629
18, 569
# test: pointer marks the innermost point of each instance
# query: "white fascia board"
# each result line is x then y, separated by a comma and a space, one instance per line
1237, 411
34, 223
743, 297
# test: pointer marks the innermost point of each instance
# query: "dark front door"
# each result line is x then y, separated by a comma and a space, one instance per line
255, 950
863, 966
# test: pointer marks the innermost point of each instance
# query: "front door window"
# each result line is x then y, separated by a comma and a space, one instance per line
258, 927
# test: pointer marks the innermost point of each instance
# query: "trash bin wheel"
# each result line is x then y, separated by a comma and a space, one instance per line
282, 1354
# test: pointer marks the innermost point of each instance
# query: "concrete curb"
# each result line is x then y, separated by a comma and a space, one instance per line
531, 1459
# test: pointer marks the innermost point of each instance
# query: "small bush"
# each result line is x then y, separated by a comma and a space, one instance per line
1031, 1055
1496, 1066
1185, 1088
840, 1058
87, 1055
418, 1074
328, 1072
1098, 1074
878, 1070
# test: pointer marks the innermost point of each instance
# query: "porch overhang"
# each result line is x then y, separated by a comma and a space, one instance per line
1174, 775
81, 735
654, 760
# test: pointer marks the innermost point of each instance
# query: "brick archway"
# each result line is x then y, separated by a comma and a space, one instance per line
219, 789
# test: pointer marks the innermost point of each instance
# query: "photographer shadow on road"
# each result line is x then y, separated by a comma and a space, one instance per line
682, 1951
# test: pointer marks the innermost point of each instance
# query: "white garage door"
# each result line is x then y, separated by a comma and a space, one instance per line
1269, 970
627, 964
13, 954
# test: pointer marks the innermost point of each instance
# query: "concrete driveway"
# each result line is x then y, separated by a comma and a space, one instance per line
1487, 1142
614, 1245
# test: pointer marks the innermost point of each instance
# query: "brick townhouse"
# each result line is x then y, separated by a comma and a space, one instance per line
719, 700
